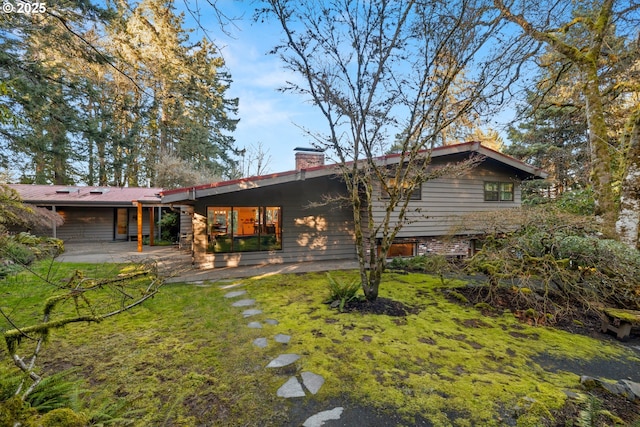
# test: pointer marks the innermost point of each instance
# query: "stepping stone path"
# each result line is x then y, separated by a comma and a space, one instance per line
282, 338
283, 360
318, 419
244, 303
296, 385
234, 294
251, 312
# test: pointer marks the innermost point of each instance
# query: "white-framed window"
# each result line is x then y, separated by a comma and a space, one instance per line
498, 191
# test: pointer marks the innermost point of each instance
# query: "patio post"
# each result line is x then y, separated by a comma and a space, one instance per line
139, 226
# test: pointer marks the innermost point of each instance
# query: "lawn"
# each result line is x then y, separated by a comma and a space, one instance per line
186, 357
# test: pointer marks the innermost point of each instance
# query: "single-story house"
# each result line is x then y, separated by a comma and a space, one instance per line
95, 213
284, 217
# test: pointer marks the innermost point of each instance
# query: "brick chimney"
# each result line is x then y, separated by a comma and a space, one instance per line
308, 157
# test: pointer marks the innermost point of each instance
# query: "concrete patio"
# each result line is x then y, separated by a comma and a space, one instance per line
175, 263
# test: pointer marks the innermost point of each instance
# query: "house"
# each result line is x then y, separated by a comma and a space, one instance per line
284, 217
95, 213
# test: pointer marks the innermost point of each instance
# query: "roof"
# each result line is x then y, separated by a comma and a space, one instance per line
73, 195
465, 149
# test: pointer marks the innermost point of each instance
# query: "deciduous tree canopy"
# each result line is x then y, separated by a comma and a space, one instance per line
373, 68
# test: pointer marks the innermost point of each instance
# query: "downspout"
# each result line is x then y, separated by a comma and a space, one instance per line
54, 227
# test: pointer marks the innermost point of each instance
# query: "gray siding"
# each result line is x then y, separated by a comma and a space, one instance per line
96, 224
133, 222
308, 233
86, 224
445, 200
186, 215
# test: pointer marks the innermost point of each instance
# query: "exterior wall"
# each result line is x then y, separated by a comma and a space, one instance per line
94, 224
133, 223
86, 224
186, 220
308, 234
445, 200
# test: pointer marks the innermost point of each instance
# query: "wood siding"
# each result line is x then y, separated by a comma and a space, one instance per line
133, 223
323, 232
86, 224
186, 219
95, 224
444, 200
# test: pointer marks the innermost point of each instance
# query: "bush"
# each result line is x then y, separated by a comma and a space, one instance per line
54, 392
63, 417
343, 292
431, 263
17, 252
13, 411
579, 202
170, 226
560, 254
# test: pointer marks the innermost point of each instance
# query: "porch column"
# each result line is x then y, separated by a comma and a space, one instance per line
139, 226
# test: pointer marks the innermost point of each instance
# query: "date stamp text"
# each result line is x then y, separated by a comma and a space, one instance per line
23, 7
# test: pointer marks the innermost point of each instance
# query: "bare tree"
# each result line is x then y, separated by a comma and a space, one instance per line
255, 160
173, 172
375, 68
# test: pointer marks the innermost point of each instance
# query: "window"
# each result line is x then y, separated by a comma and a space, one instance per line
243, 229
416, 194
498, 191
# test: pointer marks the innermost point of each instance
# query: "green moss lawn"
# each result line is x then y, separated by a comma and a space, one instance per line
186, 357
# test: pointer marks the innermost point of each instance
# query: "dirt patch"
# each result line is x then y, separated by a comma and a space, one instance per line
353, 414
380, 305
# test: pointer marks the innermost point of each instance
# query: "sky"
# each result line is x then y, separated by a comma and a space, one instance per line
267, 116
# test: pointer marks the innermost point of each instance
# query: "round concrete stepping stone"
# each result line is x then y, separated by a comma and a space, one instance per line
312, 381
234, 294
282, 338
260, 342
319, 419
243, 303
273, 322
251, 312
283, 360
291, 388
255, 325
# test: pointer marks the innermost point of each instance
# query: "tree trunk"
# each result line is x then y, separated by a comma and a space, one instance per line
599, 149
627, 225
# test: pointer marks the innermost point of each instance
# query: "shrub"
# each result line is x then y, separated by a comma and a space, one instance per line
63, 417
343, 292
556, 253
13, 411
54, 392
17, 252
398, 263
170, 226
